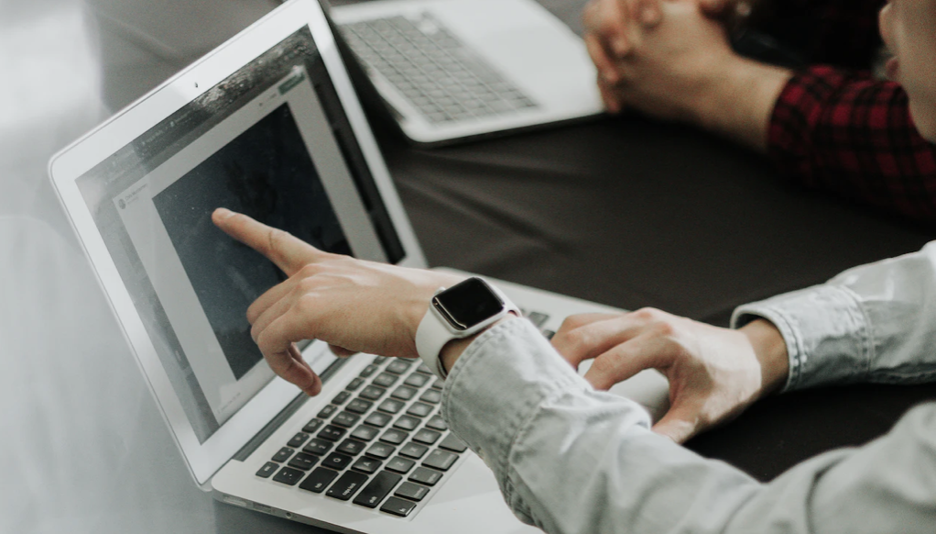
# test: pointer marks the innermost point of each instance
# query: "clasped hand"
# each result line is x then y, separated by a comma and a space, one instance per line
660, 57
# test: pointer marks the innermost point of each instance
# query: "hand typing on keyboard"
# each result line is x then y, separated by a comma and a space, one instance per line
714, 373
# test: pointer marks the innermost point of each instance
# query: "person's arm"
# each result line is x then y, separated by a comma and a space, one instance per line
874, 323
569, 459
680, 67
854, 136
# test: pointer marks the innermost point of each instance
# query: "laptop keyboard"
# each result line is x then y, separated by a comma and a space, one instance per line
380, 443
443, 78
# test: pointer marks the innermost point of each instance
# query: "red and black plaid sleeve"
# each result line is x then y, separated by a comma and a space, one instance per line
852, 135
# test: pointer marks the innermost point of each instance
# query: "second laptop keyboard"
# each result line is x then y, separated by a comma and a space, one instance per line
442, 77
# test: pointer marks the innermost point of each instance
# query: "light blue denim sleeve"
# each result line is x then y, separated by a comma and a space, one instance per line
873, 323
571, 460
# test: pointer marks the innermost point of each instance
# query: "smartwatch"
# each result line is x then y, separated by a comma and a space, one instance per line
458, 312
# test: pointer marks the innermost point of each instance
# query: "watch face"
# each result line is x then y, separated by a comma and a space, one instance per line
468, 303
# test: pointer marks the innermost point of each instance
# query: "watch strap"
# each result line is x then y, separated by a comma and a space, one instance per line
433, 332
431, 336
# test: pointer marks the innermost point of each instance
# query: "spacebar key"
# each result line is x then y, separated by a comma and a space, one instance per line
378, 488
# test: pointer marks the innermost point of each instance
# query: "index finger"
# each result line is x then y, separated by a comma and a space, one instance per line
288, 252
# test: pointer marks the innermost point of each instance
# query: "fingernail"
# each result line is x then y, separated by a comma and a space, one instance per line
610, 76
650, 16
621, 46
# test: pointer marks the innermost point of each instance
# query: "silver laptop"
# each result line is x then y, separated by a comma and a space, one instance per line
456, 69
268, 124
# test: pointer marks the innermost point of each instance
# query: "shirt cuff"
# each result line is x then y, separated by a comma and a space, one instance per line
498, 383
826, 332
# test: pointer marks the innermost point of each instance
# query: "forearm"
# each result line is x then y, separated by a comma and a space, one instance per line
874, 323
569, 459
738, 101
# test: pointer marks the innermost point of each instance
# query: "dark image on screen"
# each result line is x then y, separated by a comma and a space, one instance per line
266, 173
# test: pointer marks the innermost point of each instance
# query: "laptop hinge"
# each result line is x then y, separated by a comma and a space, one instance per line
285, 414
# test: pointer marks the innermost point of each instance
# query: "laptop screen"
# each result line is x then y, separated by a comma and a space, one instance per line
271, 141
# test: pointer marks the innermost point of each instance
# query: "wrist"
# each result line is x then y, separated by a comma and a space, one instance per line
738, 98
771, 353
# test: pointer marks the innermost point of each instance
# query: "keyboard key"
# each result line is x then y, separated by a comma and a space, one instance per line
355, 383
432, 396
313, 425
549, 334
332, 433
328, 411
404, 393
346, 419
380, 450
347, 485
377, 489
378, 419
413, 492
452, 443
337, 461
427, 436
359, 406
400, 465
424, 369
318, 446
351, 447
441, 460
367, 465
417, 380
386, 379
367, 371
394, 436
437, 423
391, 406
399, 366
424, 475
282, 455
298, 440
289, 476
365, 433
341, 397
414, 450
303, 461
407, 423
379, 360
419, 409
438, 384
372, 393
318, 480
268, 469
397, 506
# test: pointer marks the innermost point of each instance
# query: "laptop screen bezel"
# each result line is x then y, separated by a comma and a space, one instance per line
204, 459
